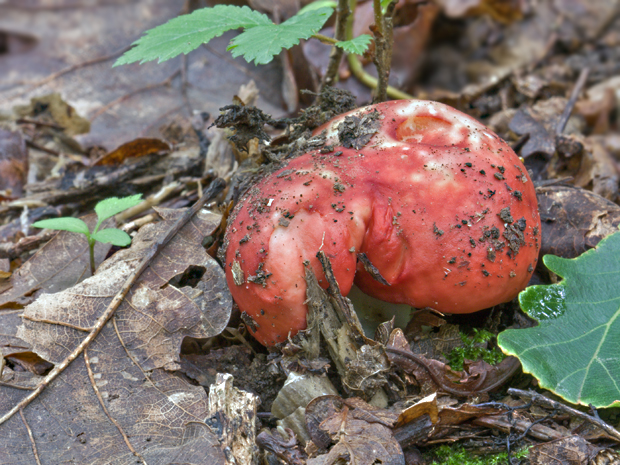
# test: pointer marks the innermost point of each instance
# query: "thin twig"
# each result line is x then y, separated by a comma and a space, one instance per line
34, 444
546, 402
39, 123
325, 39
216, 186
93, 383
34, 145
581, 81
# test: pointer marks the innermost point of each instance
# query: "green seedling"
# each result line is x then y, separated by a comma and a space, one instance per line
260, 41
105, 209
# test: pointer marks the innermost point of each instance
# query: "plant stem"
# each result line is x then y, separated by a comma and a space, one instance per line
382, 30
91, 251
343, 12
325, 39
370, 81
358, 70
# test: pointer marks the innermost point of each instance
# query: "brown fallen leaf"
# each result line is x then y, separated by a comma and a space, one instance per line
572, 450
133, 149
362, 434
121, 389
29, 361
574, 220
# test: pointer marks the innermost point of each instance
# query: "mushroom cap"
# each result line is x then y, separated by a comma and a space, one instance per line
442, 208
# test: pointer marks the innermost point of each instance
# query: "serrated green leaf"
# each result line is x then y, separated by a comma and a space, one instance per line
575, 350
187, 32
75, 225
113, 236
109, 207
357, 45
261, 43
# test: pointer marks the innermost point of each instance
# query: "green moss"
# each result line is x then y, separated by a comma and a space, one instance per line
457, 455
474, 349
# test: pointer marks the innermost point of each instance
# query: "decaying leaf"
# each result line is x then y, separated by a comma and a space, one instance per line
136, 148
362, 434
574, 220
121, 391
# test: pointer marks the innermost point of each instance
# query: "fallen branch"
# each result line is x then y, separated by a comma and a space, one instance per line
541, 400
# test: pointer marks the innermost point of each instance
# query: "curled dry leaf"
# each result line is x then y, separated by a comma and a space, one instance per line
136, 148
121, 388
362, 433
574, 220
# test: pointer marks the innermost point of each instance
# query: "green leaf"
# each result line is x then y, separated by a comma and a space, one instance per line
575, 350
109, 207
187, 32
113, 236
262, 43
64, 224
357, 45
385, 3
318, 4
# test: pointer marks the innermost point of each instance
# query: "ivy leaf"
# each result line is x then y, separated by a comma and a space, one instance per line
64, 224
262, 43
113, 236
357, 45
187, 32
574, 350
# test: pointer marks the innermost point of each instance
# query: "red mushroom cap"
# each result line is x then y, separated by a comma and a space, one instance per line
440, 205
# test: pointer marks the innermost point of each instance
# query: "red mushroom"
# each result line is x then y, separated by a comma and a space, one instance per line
438, 204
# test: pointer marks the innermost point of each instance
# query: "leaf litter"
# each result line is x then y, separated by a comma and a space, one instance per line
138, 387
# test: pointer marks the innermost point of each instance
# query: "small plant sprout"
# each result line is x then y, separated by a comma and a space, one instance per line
104, 209
261, 40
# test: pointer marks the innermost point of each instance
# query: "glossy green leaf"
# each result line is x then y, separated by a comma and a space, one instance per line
575, 350
357, 46
109, 207
187, 32
113, 236
261, 43
64, 224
